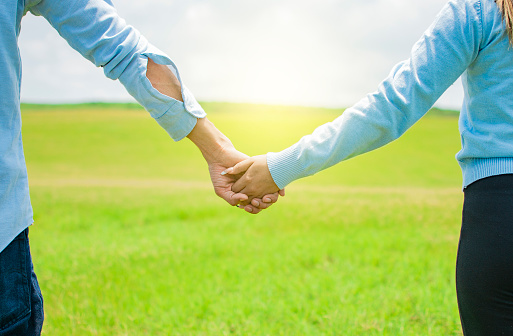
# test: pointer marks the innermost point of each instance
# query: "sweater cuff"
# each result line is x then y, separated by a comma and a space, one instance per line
285, 166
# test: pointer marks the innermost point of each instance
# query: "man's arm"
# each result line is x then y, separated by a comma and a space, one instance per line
215, 147
93, 28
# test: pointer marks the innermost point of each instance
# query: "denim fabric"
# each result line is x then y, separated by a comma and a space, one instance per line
21, 302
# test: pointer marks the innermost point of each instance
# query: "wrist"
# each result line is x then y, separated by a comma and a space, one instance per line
209, 140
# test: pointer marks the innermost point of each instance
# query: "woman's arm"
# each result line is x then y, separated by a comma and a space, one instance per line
442, 54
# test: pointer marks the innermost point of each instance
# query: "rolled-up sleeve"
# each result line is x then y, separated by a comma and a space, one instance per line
95, 30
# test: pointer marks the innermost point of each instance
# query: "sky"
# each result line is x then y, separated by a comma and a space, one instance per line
327, 53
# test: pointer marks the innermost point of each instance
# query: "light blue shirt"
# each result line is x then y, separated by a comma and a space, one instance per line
467, 39
93, 28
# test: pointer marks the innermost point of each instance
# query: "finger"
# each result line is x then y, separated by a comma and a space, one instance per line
248, 199
239, 197
271, 198
282, 192
256, 202
245, 202
240, 185
239, 168
262, 206
252, 210
234, 198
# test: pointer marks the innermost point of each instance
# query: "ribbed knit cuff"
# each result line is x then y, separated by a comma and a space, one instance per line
285, 166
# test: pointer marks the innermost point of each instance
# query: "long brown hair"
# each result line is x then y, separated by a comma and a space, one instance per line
506, 8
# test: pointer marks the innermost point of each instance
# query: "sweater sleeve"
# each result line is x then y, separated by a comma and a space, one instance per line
94, 29
441, 55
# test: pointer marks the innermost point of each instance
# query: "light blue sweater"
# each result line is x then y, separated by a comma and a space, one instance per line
467, 39
94, 29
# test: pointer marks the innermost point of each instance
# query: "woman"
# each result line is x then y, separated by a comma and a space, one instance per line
472, 38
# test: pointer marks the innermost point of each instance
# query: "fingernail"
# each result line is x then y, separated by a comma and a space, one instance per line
227, 171
267, 200
256, 203
248, 209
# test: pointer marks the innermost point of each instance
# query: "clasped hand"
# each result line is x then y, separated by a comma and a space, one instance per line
254, 181
223, 168
221, 155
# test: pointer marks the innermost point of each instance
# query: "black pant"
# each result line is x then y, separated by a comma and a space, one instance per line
484, 269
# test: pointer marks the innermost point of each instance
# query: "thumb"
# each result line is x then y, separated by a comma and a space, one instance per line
233, 198
239, 168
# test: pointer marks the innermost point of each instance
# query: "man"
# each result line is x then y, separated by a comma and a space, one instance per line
93, 28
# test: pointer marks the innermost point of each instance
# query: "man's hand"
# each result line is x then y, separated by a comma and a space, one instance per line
255, 182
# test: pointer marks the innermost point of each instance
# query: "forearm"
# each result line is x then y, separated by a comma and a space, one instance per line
163, 80
209, 140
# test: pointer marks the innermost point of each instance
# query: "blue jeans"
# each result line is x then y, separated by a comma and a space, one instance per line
21, 302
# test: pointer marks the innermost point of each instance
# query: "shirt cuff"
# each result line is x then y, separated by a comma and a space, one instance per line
180, 117
191, 105
177, 123
176, 117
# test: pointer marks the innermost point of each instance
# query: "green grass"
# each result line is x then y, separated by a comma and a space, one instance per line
130, 240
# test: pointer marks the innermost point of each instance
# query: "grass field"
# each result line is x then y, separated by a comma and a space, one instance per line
130, 239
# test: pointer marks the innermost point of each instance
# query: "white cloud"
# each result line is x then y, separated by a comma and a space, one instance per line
324, 52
